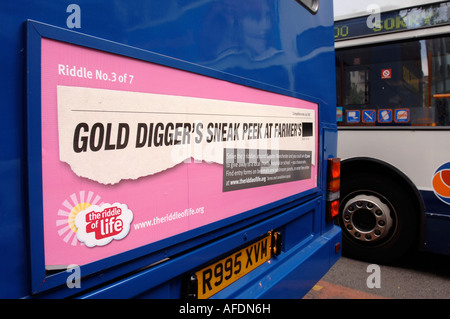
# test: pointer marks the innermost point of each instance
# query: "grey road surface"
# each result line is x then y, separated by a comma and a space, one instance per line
419, 276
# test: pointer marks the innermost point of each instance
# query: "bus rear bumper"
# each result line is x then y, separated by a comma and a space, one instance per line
291, 274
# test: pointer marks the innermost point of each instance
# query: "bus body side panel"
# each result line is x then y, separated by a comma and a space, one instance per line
436, 225
430, 157
287, 59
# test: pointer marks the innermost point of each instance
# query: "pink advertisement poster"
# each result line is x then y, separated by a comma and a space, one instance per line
135, 152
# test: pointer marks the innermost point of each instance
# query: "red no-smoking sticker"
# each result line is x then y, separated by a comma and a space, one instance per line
386, 73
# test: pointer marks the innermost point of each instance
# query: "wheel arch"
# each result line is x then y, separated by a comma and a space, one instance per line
360, 164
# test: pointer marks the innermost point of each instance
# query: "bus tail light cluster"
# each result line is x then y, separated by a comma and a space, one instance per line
333, 187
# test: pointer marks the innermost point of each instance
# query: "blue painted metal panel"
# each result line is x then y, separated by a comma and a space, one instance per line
437, 223
276, 55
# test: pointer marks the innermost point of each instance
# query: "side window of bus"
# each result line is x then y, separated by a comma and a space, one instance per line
396, 84
439, 57
356, 86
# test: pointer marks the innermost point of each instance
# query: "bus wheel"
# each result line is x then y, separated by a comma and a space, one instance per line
377, 217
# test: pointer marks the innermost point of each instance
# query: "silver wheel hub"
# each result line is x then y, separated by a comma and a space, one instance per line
367, 218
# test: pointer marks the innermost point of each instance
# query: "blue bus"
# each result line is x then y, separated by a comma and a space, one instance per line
167, 149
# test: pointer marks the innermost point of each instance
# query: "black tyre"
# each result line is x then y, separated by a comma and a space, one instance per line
378, 217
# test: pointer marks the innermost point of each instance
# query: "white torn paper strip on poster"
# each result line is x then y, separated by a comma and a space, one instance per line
108, 136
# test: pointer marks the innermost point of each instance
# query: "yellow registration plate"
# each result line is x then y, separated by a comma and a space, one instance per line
217, 276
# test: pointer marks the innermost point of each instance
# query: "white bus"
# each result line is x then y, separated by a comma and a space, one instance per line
393, 115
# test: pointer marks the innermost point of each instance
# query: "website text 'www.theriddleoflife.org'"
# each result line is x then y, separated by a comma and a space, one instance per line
169, 217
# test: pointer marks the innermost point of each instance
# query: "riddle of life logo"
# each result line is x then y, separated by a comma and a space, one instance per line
72, 206
99, 225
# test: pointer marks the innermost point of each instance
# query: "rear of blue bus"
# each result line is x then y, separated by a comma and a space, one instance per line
176, 149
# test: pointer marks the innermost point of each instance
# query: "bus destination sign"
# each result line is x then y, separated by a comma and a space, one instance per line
393, 21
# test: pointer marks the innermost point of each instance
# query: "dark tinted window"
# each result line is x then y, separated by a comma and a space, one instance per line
395, 84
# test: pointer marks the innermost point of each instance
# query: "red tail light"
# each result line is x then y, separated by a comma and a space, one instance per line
332, 209
333, 187
334, 175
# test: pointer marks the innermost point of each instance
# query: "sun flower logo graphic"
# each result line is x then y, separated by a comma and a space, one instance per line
72, 206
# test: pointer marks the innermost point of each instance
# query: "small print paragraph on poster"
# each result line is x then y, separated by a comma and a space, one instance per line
247, 168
